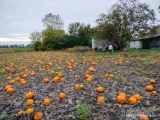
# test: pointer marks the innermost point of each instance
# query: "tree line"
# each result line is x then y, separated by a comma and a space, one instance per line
54, 37
123, 20
13, 46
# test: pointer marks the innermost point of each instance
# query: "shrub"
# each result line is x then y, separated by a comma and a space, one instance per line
83, 111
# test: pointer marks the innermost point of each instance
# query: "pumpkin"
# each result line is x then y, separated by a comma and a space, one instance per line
30, 111
62, 95
29, 95
7, 86
137, 96
20, 113
55, 79
132, 100
100, 100
30, 102
121, 99
100, 89
111, 76
87, 75
76, 76
12, 82
77, 86
25, 76
23, 82
9, 78
143, 117
10, 90
152, 81
60, 75
62, 79
47, 102
32, 74
106, 75
89, 79
123, 94
59, 68
154, 92
81, 86
149, 88
46, 80
17, 79
38, 115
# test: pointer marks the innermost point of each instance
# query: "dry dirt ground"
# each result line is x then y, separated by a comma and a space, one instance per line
128, 77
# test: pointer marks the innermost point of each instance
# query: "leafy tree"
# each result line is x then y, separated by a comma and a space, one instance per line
54, 22
49, 36
73, 28
125, 18
85, 35
36, 40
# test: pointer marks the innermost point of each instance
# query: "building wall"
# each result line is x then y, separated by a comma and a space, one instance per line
101, 44
135, 44
155, 43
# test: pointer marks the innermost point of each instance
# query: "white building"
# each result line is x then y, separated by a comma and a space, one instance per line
136, 44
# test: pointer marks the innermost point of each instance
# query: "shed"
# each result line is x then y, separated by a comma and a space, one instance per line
147, 42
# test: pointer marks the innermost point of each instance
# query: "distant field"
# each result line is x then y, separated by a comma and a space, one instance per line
15, 50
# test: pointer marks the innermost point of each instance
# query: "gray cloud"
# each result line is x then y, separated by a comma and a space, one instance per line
24, 16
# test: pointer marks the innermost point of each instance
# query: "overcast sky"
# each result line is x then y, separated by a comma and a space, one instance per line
18, 18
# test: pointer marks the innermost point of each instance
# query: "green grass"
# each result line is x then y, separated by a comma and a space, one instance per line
127, 53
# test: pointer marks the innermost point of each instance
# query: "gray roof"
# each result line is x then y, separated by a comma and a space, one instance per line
146, 37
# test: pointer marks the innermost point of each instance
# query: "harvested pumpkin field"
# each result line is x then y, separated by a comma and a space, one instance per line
68, 86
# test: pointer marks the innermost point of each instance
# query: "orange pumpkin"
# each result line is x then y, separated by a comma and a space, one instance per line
111, 76
17, 79
60, 75
38, 115
23, 82
46, 80
100, 89
149, 88
143, 117
138, 97
30, 102
152, 81
12, 82
47, 102
100, 100
7, 86
89, 79
132, 100
62, 79
25, 76
56, 79
29, 95
154, 92
20, 113
32, 73
123, 94
77, 86
62, 95
10, 90
30, 111
121, 99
